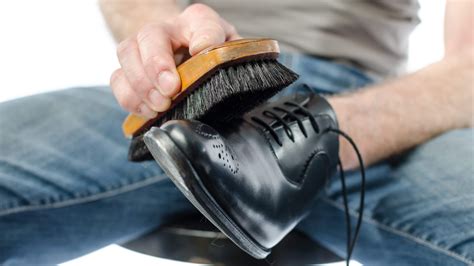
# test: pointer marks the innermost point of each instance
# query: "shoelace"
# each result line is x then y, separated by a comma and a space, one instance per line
293, 115
351, 244
351, 240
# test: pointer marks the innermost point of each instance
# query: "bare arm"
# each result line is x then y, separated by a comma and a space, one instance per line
458, 29
390, 118
125, 18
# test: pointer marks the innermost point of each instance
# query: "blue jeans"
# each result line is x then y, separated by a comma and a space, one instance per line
66, 187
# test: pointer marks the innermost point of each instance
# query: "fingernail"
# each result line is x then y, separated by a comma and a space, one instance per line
158, 102
167, 83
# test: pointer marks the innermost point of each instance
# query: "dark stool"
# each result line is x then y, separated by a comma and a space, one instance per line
194, 239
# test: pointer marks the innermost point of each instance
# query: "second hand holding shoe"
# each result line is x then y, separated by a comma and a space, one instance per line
256, 177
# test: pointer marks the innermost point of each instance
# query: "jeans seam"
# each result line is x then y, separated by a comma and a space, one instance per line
404, 234
90, 198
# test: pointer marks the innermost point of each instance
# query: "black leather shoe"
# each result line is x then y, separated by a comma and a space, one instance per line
254, 178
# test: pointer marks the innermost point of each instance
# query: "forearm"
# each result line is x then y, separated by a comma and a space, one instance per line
458, 33
387, 119
125, 18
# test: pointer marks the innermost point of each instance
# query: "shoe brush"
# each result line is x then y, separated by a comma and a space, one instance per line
218, 84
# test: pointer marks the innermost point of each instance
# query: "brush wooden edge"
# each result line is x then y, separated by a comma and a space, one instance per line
197, 67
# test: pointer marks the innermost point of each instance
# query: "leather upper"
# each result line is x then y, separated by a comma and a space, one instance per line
264, 171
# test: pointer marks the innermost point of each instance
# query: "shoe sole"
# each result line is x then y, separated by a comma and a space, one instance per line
180, 170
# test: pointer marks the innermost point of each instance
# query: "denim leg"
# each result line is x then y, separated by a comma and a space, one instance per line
418, 211
419, 208
66, 187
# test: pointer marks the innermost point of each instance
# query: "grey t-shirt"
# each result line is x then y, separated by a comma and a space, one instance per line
371, 34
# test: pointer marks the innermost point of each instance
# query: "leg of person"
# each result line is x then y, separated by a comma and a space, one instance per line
419, 210
66, 187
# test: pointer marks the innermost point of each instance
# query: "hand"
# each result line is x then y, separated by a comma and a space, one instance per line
147, 79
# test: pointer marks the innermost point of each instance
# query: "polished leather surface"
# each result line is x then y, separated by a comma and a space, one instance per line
265, 185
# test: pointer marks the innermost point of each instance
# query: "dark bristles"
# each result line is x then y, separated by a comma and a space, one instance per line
232, 91
229, 93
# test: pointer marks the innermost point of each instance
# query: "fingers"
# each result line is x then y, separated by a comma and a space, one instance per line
137, 80
129, 58
148, 79
204, 35
156, 53
230, 30
202, 27
127, 97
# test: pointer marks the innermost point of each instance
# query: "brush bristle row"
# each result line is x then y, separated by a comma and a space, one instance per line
232, 91
229, 93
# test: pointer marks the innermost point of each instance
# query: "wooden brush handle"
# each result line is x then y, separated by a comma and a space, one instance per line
196, 68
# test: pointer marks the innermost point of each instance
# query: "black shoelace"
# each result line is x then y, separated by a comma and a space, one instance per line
351, 244
293, 115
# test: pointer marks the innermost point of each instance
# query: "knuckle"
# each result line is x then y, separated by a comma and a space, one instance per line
198, 8
149, 32
125, 47
155, 64
127, 102
127, 105
232, 29
213, 30
123, 103
143, 36
213, 25
140, 84
114, 77
123, 93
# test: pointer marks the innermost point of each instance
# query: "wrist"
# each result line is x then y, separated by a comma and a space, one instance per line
454, 93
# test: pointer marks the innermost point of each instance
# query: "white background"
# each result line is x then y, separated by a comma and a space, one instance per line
53, 44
